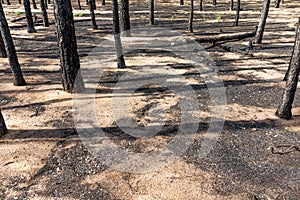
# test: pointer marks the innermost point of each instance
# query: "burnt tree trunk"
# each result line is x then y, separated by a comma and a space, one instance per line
8, 2
3, 53
214, 2
20, 1
79, 4
125, 18
237, 15
34, 4
10, 50
151, 14
191, 16
181, 2
46, 4
69, 59
262, 23
200, 5
3, 128
231, 4
92, 13
44, 13
285, 109
30, 25
118, 43
277, 3
103, 2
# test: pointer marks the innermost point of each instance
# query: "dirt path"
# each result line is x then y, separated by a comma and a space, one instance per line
256, 156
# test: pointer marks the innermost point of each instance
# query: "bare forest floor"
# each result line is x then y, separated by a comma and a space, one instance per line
256, 157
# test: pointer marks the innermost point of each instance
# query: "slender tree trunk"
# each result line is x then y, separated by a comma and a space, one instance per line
46, 4
237, 15
44, 13
151, 14
69, 59
214, 2
79, 4
191, 16
34, 4
30, 25
285, 109
125, 18
20, 1
94, 4
231, 4
262, 23
3, 128
277, 3
92, 13
10, 50
200, 5
49, 1
118, 43
3, 53
181, 2
8, 2
103, 2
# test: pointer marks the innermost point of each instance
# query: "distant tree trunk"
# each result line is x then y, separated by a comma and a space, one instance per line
34, 4
103, 2
181, 2
151, 14
10, 50
79, 4
231, 4
30, 25
237, 15
285, 109
191, 16
94, 4
262, 23
8, 2
3, 53
46, 4
214, 2
92, 13
49, 1
3, 128
20, 1
44, 12
277, 3
200, 5
125, 18
69, 59
118, 43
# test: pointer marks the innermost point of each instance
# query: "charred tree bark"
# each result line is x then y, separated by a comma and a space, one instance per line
191, 16
3, 53
92, 13
20, 1
181, 2
125, 18
231, 4
214, 2
10, 50
69, 59
3, 128
30, 25
285, 109
262, 23
8, 2
46, 4
44, 13
103, 2
151, 14
277, 3
237, 15
118, 43
200, 5
34, 4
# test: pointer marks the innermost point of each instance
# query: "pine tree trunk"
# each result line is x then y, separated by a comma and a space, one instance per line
191, 16
103, 2
181, 2
44, 13
231, 4
20, 1
79, 4
277, 3
262, 23
34, 4
237, 15
8, 2
92, 13
214, 2
200, 5
125, 18
151, 14
30, 25
3, 128
69, 59
285, 109
118, 43
10, 50
3, 53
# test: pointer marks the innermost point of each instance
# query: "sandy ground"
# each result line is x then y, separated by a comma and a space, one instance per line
256, 155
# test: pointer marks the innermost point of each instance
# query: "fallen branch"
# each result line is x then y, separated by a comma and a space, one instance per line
284, 149
244, 51
219, 38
